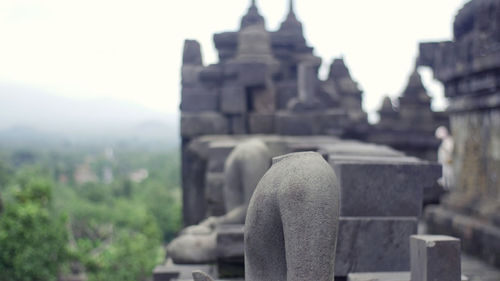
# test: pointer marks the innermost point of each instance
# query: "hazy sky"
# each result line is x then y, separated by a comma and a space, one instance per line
131, 49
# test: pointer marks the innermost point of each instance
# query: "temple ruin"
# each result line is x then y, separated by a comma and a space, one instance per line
266, 87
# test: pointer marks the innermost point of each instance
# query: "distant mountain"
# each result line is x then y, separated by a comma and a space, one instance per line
32, 114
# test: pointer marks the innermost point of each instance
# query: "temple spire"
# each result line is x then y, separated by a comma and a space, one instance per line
290, 8
252, 16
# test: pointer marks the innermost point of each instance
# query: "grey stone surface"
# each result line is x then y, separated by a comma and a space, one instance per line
230, 248
243, 170
374, 244
190, 75
233, 100
387, 189
379, 276
192, 53
193, 248
292, 221
244, 167
195, 99
435, 257
478, 237
303, 124
214, 194
238, 124
468, 66
201, 276
230, 241
261, 123
173, 272
205, 123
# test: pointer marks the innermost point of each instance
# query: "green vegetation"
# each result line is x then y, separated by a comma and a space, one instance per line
105, 214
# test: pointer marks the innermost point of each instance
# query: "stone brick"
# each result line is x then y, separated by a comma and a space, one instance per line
196, 99
252, 74
435, 257
214, 194
389, 189
233, 100
285, 92
261, 123
238, 124
211, 74
204, 123
298, 124
374, 244
230, 248
379, 276
192, 53
217, 154
230, 242
190, 74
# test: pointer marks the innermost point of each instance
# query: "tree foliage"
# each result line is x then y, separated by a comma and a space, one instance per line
32, 239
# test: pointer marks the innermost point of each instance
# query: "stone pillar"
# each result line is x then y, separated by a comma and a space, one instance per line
435, 257
469, 68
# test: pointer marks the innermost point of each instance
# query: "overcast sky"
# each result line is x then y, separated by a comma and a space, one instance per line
131, 49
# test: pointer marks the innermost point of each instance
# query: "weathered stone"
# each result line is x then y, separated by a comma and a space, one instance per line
233, 100
217, 154
238, 124
230, 242
192, 53
285, 92
379, 276
163, 273
261, 123
204, 123
252, 74
435, 257
389, 189
364, 244
296, 124
374, 244
199, 100
175, 272
243, 169
230, 248
193, 248
190, 74
291, 226
201, 276
214, 194
211, 74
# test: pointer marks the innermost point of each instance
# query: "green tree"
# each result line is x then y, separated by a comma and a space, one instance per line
32, 240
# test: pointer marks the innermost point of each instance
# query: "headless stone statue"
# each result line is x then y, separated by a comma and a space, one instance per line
244, 167
292, 222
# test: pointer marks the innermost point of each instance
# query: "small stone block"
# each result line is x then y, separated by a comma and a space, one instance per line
230, 241
230, 249
382, 189
238, 124
252, 74
261, 123
435, 257
165, 273
205, 123
373, 244
379, 276
199, 99
233, 100
296, 124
